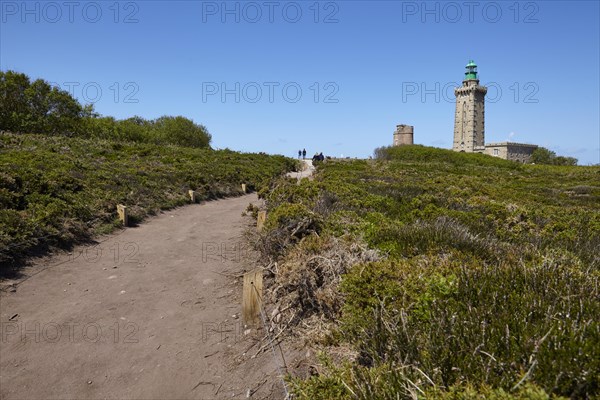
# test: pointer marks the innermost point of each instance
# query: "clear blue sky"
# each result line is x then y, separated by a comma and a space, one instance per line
385, 62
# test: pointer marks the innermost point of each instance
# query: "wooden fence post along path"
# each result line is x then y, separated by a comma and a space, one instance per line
260, 220
252, 297
123, 214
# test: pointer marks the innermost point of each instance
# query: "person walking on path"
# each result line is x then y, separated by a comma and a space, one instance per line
304, 154
299, 154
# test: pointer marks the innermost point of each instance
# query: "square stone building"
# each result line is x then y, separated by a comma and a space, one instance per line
518, 152
404, 135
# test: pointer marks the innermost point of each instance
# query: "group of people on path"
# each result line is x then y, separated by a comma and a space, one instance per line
316, 157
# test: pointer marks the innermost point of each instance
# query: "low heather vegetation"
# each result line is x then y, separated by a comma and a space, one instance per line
57, 191
433, 274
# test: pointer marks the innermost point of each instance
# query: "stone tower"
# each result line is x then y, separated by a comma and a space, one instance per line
403, 135
469, 118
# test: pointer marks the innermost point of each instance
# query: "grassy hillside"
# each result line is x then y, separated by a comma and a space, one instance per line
441, 275
56, 191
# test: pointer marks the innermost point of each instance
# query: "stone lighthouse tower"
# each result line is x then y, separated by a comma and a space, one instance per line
469, 118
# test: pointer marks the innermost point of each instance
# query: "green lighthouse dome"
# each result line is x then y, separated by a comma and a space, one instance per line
471, 73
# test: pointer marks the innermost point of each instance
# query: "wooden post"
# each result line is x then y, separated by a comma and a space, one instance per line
244, 187
252, 297
192, 195
260, 220
123, 214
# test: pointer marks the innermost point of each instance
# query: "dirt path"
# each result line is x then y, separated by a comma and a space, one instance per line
307, 171
149, 313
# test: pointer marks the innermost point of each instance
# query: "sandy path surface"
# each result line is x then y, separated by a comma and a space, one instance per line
149, 313
307, 171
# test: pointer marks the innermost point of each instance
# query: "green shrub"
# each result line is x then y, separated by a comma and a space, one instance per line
542, 155
27, 106
38, 107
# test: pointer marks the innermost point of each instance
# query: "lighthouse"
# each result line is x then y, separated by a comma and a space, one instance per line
469, 118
